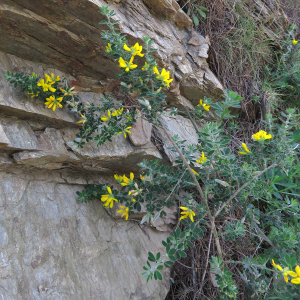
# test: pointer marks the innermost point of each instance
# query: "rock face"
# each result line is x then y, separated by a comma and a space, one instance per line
54, 248
51, 246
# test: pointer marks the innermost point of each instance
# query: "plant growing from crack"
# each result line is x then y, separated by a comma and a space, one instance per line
261, 179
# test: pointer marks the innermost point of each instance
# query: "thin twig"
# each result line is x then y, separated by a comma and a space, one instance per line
264, 236
203, 198
176, 185
207, 258
242, 187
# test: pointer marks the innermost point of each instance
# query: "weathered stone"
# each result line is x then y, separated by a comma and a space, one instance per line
176, 125
140, 132
118, 155
163, 8
15, 103
4, 141
45, 159
68, 37
18, 135
61, 249
182, 20
5, 162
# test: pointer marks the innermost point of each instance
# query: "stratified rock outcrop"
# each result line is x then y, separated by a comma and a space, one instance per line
51, 246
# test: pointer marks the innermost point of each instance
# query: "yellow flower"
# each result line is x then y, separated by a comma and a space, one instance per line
295, 42
163, 76
135, 50
46, 86
118, 178
52, 102
68, 92
106, 118
117, 112
83, 119
108, 48
126, 180
145, 67
205, 106
285, 274
276, 266
127, 65
296, 280
126, 130
297, 269
51, 79
293, 274
261, 136
32, 94
187, 212
109, 199
245, 148
124, 211
194, 172
202, 159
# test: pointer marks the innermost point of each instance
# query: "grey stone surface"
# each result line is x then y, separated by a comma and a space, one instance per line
180, 126
52, 247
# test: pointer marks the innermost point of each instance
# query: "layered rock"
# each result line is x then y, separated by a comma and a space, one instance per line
52, 247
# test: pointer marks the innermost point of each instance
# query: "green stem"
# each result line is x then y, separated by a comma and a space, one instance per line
202, 196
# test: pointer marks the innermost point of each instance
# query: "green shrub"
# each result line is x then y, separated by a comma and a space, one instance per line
262, 179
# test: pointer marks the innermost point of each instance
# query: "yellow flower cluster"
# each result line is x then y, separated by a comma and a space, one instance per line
127, 65
246, 150
114, 114
123, 180
126, 130
205, 106
109, 198
46, 85
202, 159
286, 272
261, 136
83, 119
53, 102
136, 50
295, 42
69, 92
187, 212
124, 211
164, 76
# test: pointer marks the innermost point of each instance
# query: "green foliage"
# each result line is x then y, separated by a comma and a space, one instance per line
234, 230
265, 171
176, 245
227, 288
284, 78
196, 10
261, 180
55, 87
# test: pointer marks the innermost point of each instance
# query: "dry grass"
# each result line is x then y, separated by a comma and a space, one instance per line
243, 40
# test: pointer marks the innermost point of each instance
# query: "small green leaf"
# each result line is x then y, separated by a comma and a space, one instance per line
157, 275
196, 20
151, 256
182, 254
